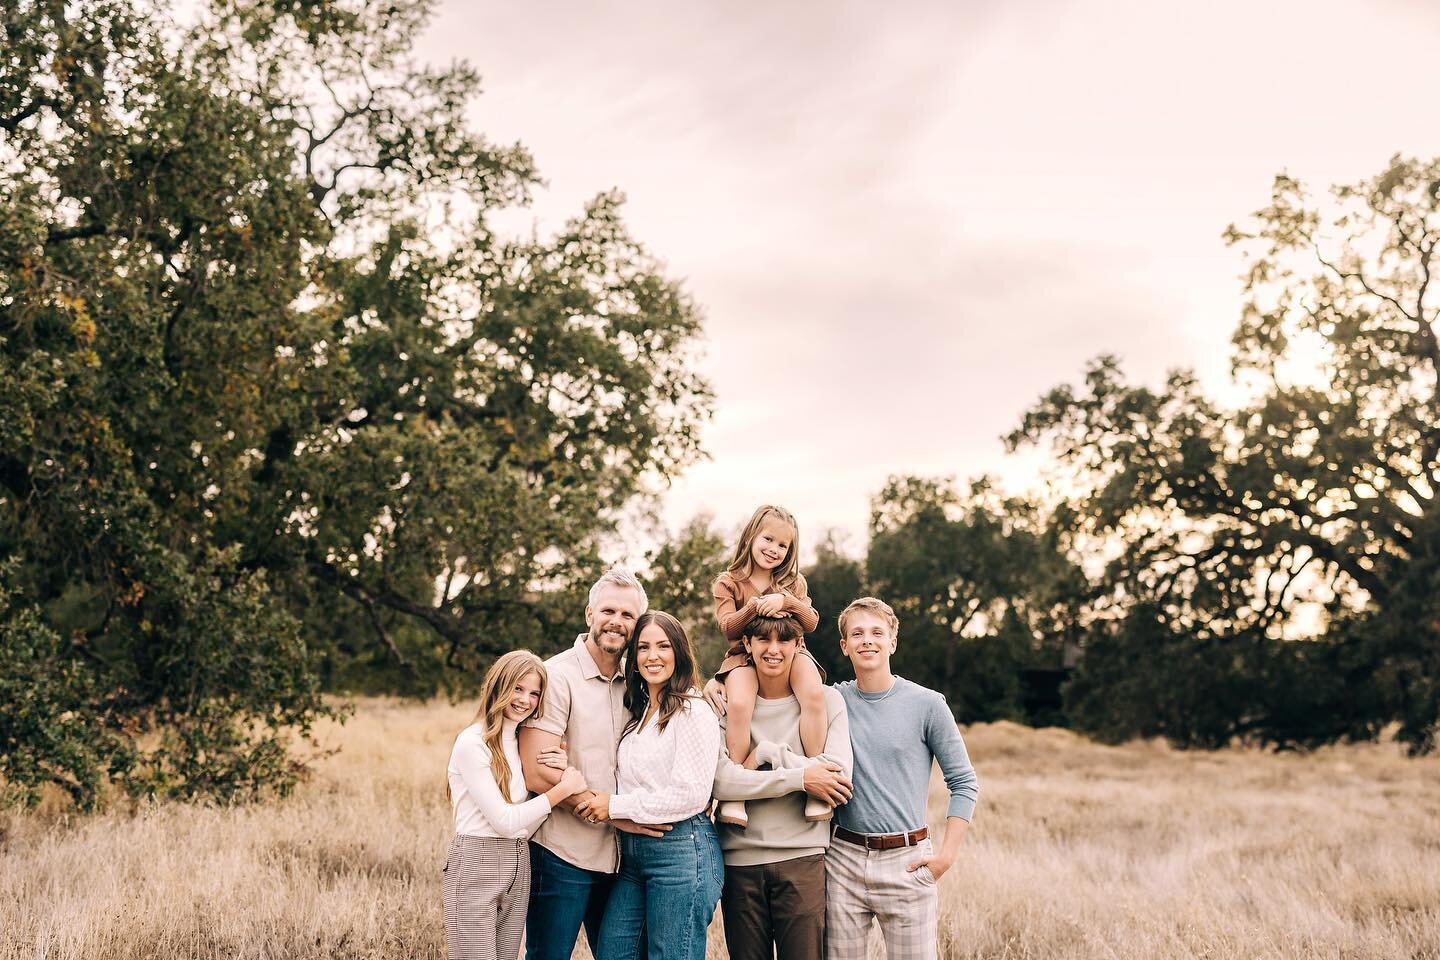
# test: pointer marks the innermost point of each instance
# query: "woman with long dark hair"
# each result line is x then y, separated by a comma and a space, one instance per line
665, 771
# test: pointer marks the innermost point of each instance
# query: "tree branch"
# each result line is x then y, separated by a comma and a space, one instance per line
384, 634
1358, 277
438, 619
60, 235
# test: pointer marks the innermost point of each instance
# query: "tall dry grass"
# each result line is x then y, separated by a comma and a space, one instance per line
1077, 850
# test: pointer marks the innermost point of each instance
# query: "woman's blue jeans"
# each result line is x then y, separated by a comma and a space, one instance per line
667, 889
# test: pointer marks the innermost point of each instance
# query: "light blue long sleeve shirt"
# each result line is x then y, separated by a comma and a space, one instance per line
896, 735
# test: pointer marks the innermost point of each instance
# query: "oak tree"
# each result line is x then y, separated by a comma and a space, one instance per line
280, 407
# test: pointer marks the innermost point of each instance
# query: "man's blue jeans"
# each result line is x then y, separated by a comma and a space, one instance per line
562, 898
666, 894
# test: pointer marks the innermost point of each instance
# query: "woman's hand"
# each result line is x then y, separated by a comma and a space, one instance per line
596, 809
554, 757
573, 781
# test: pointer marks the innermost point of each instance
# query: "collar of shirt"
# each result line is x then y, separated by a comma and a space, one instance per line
588, 668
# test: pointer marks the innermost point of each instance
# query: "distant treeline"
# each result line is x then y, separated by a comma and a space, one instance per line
280, 415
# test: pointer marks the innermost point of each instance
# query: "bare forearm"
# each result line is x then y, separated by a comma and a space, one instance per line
955, 828
543, 778
538, 777
546, 780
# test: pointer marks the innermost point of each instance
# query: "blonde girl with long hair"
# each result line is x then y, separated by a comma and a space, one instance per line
487, 870
764, 580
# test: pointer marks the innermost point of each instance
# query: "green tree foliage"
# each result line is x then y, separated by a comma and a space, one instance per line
1277, 562
278, 406
833, 580
681, 572
982, 586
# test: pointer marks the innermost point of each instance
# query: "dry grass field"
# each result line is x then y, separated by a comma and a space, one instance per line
1078, 851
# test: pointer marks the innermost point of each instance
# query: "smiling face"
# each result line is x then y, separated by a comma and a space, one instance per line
654, 655
612, 618
867, 641
772, 543
524, 697
773, 655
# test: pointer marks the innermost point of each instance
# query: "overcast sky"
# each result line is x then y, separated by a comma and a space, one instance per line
906, 221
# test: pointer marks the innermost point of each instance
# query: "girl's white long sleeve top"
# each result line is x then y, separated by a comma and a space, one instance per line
665, 776
480, 809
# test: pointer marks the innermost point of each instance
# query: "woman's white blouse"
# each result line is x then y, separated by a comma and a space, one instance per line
480, 810
667, 776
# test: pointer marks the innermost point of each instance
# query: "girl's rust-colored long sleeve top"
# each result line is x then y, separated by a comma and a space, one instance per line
735, 606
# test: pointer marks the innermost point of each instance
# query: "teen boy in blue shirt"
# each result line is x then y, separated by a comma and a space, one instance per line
882, 867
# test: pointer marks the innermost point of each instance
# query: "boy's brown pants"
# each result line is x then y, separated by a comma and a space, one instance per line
775, 909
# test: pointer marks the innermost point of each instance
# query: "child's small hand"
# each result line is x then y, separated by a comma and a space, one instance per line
770, 604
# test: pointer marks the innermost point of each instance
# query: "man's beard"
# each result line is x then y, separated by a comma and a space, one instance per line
597, 635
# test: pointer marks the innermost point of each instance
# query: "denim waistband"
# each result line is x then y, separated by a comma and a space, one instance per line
683, 828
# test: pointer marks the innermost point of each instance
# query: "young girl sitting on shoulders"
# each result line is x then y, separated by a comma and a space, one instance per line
764, 579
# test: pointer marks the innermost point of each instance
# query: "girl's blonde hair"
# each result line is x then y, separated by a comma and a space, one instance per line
495, 692
742, 565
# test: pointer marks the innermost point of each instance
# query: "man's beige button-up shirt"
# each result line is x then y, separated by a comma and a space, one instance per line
587, 711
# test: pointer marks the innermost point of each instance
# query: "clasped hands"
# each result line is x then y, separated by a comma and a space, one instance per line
596, 809
771, 605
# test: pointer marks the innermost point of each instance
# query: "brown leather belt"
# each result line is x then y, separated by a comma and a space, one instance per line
888, 841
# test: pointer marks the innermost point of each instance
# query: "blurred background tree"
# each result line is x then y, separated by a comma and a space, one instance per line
1264, 572
834, 579
984, 593
1277, 562
280, 410
681, 573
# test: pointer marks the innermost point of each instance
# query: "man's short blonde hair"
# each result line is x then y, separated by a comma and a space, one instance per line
876, 606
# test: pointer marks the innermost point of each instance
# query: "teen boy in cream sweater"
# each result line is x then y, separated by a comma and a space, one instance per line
774, 893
